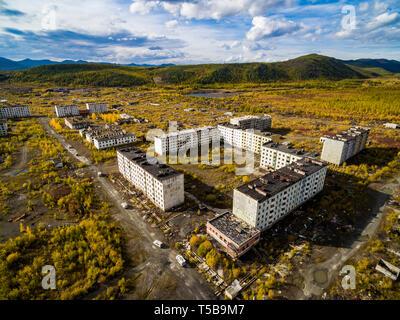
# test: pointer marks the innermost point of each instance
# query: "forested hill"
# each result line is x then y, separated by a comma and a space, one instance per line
89, 74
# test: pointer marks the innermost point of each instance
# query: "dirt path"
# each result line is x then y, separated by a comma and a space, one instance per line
332, 266
188, 283
22, 159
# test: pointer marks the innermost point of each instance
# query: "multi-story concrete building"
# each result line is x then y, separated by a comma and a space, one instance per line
96, 107
391, 125
108, 138
249, 139
339, 148
276, 156
77, 123
261, 122
181, 141
264, 201
163, 185
9, 111
67, 111
3, 127
235, 236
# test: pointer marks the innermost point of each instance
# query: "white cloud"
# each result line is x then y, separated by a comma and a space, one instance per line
142, 6
231, 45
171, 23
271, 27
383, 20
363, 6
380, 6
210, 9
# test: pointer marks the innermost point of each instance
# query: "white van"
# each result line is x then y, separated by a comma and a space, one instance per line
181, 260
158, 243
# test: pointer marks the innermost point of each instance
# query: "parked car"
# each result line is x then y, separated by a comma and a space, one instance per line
181, 260
158, 243
124, 205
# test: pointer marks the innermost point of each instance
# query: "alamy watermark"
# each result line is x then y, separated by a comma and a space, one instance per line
349, 280
349, 20
49, 280
49, 18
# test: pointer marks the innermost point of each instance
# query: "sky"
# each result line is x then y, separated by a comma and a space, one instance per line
198, 31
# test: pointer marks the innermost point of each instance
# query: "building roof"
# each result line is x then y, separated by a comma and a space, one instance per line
96, 104
67, 106
74, 120
186, 131
249, 117
349, 134
7, 105
150, 164
111, 135
288, 149
234, 228
230, 125
272, 183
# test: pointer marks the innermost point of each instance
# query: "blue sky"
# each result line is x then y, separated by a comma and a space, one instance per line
200, 31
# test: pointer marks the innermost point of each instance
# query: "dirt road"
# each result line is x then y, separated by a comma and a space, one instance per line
333, 265
188, 284
22, 159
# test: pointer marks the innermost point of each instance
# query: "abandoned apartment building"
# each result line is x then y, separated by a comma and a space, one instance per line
66, 111
235, 236
180, 141
96, 107
260, 122
3, 127
77, 123
246, 139
163, 185
276, 155
107, 136
268, 199
340, 147
8, 111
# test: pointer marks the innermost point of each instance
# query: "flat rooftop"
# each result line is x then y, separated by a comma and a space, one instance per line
230, 125
248, 117
272, 183
186, 131
111, 135
96, 104
77, 120
254, 131
235, 229
67, 106
7, 105
157, 169
288, 149
349, 134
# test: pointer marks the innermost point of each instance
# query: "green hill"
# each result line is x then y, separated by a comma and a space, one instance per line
303, 68
89, 74
391, 66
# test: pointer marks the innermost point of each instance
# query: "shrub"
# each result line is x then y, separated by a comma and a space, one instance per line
204, 247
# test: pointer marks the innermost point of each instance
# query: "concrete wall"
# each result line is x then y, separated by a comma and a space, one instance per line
334, 151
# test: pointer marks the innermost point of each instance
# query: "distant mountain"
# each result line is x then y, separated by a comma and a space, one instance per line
12, 65
388, 65
303, 68
9, 65
149, 65
309, 67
